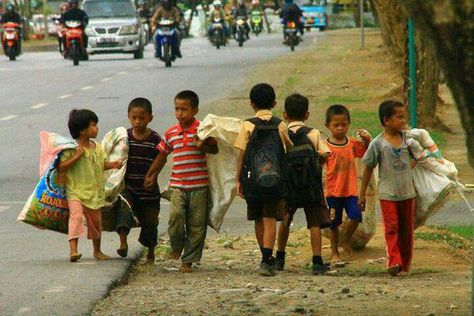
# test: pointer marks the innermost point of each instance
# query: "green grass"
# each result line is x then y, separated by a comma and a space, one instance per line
444, 236
438, 137
367, 120
466, 232
339, 99
162, 250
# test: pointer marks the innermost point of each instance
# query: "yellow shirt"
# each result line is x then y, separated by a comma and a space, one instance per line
85, 179
247, 128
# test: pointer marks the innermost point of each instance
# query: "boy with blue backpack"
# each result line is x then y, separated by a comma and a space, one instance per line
262, 142
304, 180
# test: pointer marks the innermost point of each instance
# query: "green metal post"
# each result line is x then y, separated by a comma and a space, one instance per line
412, 68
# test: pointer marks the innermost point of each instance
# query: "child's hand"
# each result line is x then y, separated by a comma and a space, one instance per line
240, 191
362, 201
117, 164
150, 182
211, 141
362, 133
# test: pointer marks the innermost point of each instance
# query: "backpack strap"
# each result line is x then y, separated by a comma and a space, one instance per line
264, 124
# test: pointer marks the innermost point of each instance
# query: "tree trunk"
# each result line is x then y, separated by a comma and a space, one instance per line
356, 12
449, 27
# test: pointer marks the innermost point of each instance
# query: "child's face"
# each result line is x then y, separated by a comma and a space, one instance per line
184, 111
91, 131
139, 119
338, 126
396, 122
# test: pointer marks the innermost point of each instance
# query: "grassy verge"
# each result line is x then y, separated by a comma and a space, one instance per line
458, 237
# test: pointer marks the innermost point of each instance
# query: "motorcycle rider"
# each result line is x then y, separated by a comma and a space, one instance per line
255, 11
59, 29
216, 13
12, 16
76, 14
241, 11
143, 10
291, 12
166, 11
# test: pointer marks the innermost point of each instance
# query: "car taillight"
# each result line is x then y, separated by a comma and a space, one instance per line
291, 24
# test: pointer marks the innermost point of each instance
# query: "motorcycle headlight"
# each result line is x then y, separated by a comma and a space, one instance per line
129, 29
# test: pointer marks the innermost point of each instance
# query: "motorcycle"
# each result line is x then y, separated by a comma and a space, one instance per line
240, 30
74, 44
146, 28
165, 35
11, 40
291, 35
217, 29
256, 22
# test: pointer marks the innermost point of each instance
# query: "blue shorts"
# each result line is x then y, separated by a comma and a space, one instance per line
337, 204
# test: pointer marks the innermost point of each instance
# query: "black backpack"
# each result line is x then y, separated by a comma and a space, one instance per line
303, 171
263, 168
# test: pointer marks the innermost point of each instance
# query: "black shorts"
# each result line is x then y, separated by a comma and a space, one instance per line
317, 215
257, 210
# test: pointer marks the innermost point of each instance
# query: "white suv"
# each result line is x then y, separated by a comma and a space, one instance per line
114, 27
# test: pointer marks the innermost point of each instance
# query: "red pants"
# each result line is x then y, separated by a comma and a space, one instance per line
398, 221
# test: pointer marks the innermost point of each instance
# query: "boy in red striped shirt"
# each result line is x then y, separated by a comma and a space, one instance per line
189, 182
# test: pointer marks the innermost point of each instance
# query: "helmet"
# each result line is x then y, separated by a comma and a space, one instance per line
217, 3
10, 7
241, 2
71, 2
166, 4
141, 2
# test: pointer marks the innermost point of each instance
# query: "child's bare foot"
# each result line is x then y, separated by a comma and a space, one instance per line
348, 252
74, 257
101, 256
175, 254
186, 268
150, 256
335, 258
122, 251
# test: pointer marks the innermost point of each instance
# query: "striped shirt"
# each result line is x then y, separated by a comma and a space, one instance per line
141, 154
189, 163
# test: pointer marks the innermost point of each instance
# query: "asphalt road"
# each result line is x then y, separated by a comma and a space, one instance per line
36, 93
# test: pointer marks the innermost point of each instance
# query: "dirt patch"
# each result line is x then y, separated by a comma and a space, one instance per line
226, 283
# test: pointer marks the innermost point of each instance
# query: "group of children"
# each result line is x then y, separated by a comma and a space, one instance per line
279, 170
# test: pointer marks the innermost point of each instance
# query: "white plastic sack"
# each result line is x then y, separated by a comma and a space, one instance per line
115, 145
222, 167
432, 190
426, 153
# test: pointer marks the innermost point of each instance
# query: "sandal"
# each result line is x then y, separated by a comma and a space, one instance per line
122, 252
75, 257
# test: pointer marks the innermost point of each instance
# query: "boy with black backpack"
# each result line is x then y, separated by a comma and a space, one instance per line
304, 179
262, 142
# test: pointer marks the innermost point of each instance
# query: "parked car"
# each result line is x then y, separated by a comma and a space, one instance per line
315, 16
114, 27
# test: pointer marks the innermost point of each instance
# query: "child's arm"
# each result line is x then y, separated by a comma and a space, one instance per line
209, 145
240, 162
363, 187
155, 169
366, 138
66, 164
113, 164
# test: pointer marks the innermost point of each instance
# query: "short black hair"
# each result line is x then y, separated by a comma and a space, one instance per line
387, 108
189, 95
141, 103
262, 96
337, 109
79, 120
296, 106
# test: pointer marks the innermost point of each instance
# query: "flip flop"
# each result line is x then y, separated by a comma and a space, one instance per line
122, 252
75, 257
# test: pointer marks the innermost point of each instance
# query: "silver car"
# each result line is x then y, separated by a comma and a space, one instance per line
114, 27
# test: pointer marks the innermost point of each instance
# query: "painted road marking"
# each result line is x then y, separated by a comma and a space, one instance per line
87, 88
12, 202
122, 73
56, 289
4, 208
137, 68
105, 79
8, 117
24, 310
38, 106
65, 96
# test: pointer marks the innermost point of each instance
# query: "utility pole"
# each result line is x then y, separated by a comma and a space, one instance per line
362, 35
412, 73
